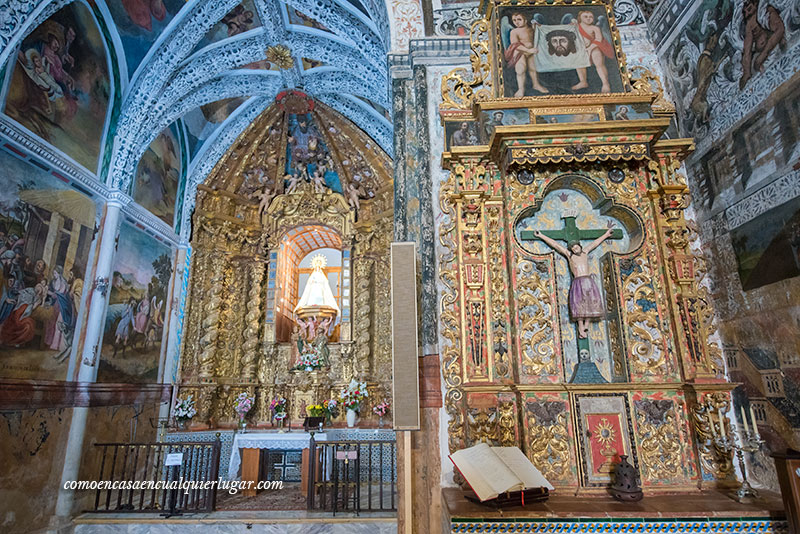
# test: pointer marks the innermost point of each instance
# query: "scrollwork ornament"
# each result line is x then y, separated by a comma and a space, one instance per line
548, 444
460, 87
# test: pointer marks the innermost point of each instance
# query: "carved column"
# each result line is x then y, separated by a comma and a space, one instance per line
692, 312
252, 322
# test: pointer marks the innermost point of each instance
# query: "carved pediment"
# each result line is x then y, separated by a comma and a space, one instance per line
307, 205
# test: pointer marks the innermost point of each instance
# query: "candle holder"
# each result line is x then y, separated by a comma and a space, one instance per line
749, 441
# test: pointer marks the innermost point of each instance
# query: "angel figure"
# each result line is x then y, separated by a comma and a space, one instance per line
292, 180
520, 51
265, 197
597, 46
352, 196
319, 181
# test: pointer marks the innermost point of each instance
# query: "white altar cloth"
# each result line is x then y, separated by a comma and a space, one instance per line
267, 440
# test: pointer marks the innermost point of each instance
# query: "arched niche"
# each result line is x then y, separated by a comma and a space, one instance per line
296, 245
577, 197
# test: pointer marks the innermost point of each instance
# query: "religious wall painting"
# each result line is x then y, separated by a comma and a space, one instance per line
158, 175
560, 118
767, 248
299, 18
581, 305
242, 18
461, 132
137, 306
605, 433
139, 23
765, 144
628, 112
492, 118
46, 232
550, 437
59, 86
202, 121
712, 65
560, 50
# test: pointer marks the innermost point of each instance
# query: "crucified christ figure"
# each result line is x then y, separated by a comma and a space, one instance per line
585, 302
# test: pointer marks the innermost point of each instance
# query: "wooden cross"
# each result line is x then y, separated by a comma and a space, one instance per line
570, 232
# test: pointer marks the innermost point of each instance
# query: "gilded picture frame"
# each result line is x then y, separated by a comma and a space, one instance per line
557, 49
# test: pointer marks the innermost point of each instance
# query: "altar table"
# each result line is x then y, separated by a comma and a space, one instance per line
251, 445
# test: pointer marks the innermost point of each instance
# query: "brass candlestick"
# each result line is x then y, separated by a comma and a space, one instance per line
749, 441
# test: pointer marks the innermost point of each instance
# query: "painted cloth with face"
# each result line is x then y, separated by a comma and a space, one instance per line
559, 50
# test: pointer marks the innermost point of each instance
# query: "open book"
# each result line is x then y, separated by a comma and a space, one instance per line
491, 471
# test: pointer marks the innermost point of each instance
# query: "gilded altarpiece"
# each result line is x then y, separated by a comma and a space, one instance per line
299, 169
567, 163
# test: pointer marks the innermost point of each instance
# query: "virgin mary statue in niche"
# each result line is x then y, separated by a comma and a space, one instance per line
315, 313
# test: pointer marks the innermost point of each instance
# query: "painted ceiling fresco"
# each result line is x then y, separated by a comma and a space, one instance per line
194, 71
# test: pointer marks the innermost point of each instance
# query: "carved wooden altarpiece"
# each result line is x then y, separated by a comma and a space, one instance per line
647, 381
237, 327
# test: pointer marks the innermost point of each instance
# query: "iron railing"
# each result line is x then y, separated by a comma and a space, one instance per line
352, 476
134, 477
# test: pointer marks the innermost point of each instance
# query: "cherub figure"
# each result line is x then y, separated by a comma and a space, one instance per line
265, 197
598, 49
319, 181
585, 302
352, 196
521, 53
292, 180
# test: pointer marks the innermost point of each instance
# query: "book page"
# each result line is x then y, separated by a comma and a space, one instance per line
486, 474
519, 464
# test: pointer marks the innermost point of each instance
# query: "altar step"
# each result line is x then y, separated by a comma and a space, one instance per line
707, 512
237, 523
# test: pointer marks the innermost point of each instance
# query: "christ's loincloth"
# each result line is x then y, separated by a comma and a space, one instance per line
584, 299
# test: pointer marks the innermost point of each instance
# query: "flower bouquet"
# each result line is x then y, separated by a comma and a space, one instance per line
381, 410
315, 410
351, 397
241, 406
278, 408
309, 361
184, 411
331, 409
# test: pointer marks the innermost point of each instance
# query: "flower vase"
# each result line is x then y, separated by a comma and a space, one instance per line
182, 424
380, 421
351, 418
242, 425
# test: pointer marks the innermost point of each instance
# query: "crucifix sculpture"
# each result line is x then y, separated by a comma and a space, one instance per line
585, 300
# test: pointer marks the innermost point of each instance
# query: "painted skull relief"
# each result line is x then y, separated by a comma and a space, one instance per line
557, 50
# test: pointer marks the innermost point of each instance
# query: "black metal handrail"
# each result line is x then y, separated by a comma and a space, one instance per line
352, 475
134, 477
